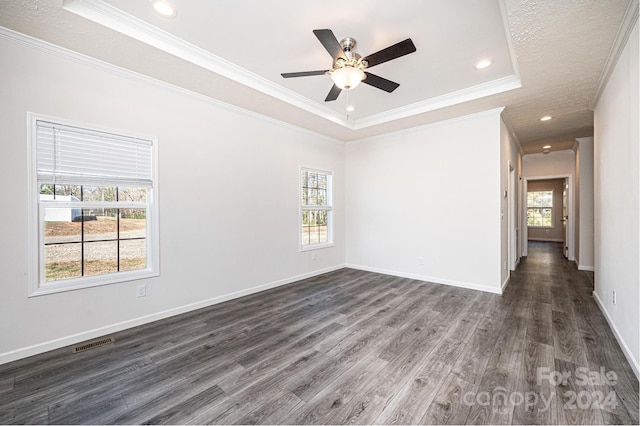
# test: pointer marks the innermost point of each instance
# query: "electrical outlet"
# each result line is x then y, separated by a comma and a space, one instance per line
313, 255
421, 261
141, 290
614, 297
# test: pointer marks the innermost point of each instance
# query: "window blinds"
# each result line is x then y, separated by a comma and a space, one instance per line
72, 155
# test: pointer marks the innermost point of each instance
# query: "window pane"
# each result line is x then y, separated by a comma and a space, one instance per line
313, 180
62, 261
133, 223
539, 217
322, 197
101, 224
313, 235
133, 254
99, 193
135, 195
313, 197
540, 199
322, 181
59, 225
67, 191
546, 217
322, 234
100, 258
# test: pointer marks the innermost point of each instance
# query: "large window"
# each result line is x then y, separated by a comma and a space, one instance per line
94, 213
540, 209
315, 209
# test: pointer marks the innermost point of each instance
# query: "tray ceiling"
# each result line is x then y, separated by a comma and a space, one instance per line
548, 56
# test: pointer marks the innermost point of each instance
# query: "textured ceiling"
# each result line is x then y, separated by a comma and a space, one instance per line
557, 48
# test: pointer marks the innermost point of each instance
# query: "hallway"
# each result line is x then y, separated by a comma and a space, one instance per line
566, 332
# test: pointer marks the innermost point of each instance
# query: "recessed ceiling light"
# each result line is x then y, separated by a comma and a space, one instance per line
164, 8
546, 118
350, 108
546, 147
483, 64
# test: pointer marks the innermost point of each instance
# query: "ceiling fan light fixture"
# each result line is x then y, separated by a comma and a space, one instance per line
347, 78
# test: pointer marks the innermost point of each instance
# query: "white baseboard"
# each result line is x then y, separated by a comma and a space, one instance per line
546, 240
625, 349
471, 286
114, 328
585, 267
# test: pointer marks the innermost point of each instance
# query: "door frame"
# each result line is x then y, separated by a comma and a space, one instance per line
512, 218
570, 213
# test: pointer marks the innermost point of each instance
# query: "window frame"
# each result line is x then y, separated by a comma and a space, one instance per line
36, 227
541, 207
328, 208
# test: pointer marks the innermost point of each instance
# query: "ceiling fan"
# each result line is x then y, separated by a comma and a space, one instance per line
349, 68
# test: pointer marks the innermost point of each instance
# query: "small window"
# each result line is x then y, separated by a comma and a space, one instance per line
94, 210
540, 209
316, 208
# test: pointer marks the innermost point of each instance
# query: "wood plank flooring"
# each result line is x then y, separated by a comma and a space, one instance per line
349, 347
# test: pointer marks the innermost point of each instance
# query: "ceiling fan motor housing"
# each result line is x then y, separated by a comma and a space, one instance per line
352, 59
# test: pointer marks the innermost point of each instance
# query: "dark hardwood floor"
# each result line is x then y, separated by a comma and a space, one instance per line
350, 347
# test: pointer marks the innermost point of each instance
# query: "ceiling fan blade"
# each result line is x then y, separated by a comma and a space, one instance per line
333, 93
380, 83
392, 52
330, 42
303, 73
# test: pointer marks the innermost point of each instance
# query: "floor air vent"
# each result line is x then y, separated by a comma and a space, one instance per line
93, 344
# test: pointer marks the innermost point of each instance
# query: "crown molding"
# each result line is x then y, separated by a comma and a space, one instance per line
506, 118
111, 17
8, 34
469, 94
624, 32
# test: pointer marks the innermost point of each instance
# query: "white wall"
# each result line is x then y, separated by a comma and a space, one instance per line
424, 202
228, 197
555, 164
584, 204
617, 227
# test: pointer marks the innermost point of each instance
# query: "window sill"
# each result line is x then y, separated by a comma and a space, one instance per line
317, 246
88, 282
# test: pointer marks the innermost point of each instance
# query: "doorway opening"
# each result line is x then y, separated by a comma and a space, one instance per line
548, 212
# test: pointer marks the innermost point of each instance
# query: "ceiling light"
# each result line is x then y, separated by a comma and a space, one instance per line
546, 147
347, 77
483, 64
546, 118
350, 108
164, 8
